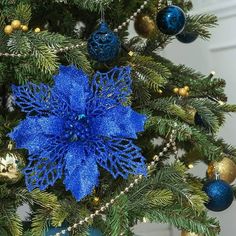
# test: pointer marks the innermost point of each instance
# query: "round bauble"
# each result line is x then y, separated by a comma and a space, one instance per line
220, 195
176, 90
171, 20
96, 201
24, 28
103, 45
95, 232
11, 164
183, 92
144, 26
186, 88
37, 30
54, 230
225, 168
186, 233
8, 29
187, 37
16, 24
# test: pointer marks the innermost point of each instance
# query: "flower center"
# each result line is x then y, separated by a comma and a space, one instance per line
77, 128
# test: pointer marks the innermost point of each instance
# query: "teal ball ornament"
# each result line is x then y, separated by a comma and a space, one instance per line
103, 45
171, 20
187, 36
220, 195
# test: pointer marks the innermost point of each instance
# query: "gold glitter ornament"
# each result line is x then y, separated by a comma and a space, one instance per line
225, 168
144, 26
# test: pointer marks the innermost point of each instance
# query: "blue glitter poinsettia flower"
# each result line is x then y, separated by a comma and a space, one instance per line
74, 126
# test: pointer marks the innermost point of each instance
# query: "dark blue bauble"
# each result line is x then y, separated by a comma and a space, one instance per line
199, 121
103, 45
171, 20
220, 195
95, 232
187, 37
52, 231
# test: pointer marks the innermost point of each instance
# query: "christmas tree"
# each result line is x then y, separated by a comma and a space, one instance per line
98, 130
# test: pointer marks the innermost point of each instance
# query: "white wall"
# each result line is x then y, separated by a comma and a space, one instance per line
218, 54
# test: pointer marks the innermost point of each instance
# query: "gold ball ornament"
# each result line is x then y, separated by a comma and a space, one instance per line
11, 164
24, 28
16, 24
226, 168
8, 29
176, 90
144, 26
187, 88
185, 233
37, 30
96, 201
183, 92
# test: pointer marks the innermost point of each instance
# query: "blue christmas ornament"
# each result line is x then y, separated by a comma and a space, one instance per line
95, 232
187, 37
220, 195
74, 126
171, 20
53, 231
103, 45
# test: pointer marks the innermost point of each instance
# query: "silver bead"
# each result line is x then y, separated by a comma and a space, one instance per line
142, 6
165, 149
168, 145
124, 24
161, 154
115, 30
122, 193
69, 229
97, 212
75, 226
107, 204
86, 219
149, 167
119, 27
127, 21
103, 208
131, 185
139, 10
63, 231
145, 3
136, 181
135, 14
82, 221
152, 163
58, 234
92, 216
131, 18
140, 176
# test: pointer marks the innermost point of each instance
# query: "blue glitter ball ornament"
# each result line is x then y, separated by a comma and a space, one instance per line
187, 37
220, 195
95, 232
53, 231
103, 45
171, 20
